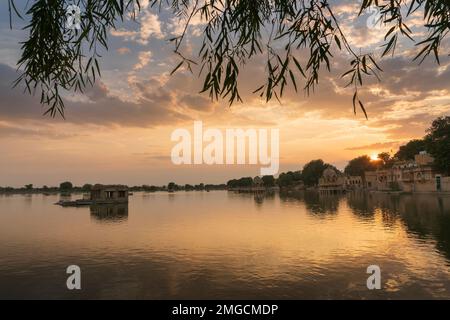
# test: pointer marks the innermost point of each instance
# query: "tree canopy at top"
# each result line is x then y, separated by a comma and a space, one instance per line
55, 58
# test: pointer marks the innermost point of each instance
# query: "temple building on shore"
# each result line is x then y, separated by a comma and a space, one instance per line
332, 182
354, 183
416, 175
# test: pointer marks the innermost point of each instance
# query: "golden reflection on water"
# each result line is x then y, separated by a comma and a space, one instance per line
227, 245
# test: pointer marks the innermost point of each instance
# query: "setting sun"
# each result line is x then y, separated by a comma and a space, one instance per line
374, 157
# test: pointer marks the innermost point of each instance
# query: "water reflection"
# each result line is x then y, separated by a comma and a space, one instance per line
261, 197
426, 217
365, 206
109, 213
361, 205
423, 215
28, 199
320, 205
192, 245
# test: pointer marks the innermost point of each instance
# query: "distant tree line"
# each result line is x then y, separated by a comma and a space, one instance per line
67, 187
268, 181
63, 187
172, 186
309, 176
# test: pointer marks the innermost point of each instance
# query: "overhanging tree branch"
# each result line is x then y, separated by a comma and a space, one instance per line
303, 36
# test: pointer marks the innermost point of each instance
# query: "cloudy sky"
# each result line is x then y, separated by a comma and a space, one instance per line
119, 131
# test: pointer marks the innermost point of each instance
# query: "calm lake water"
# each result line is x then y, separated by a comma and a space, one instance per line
205, 245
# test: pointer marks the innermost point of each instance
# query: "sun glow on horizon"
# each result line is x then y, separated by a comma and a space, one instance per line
374, 157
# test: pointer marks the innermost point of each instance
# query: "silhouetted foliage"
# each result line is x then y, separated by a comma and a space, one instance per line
313, 170
289, 178
359, 165
242, 182
172, 186
65, 186
385, 159
87, 187
269, 181
200, 187
409, 150
55, 58
438, 143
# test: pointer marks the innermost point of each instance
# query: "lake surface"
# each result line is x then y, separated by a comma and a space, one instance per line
206, 245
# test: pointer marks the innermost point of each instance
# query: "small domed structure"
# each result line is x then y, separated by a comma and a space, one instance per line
329, 174
258, 185
331, 182
258, 182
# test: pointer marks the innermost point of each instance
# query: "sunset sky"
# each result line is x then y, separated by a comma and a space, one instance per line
119, 131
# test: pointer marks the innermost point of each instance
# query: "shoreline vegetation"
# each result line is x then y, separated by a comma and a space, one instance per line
68, 188
209, 187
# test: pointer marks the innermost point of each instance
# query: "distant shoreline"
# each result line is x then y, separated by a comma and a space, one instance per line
78, 191
284, 191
